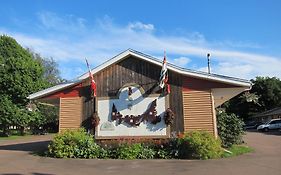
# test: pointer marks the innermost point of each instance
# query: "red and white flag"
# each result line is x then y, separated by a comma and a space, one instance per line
93, 83
163, 80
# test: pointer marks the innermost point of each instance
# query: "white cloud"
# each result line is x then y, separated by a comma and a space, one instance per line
67, 23
238, 70
104, 39
181, 61
140, 26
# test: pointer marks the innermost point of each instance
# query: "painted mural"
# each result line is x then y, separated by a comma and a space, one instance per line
132, 114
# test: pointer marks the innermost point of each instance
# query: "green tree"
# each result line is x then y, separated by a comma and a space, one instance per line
269, 90
264, 95
20, 74
51, 73
49, 119
7, 112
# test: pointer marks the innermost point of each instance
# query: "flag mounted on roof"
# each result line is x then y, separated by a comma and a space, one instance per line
93, 83
163, 80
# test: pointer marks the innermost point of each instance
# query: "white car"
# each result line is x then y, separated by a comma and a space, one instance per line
272, 124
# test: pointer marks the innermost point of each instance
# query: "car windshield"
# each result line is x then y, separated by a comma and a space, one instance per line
267, 122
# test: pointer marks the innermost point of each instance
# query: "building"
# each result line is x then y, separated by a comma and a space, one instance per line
129, 104
265, 116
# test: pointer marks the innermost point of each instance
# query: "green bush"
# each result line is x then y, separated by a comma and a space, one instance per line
199, 145
74, 144
78, 144
169, 149
146, 152
134, 151
230, 128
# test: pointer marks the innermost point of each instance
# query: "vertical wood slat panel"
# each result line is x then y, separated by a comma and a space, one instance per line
176, 104
70, 113
198, 111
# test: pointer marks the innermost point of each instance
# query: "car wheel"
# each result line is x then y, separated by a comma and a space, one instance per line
265, 129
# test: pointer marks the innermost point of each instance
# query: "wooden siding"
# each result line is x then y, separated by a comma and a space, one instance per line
74, 91
70, 113
129, 70
176, 103
198, 111
145, 74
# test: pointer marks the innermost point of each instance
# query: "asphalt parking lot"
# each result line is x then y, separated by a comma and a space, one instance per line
16, 158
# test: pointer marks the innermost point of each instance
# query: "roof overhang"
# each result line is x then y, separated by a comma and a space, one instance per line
148, 58
51, 90
153, 60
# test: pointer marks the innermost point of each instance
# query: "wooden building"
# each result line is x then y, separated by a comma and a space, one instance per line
268, 115
193, 98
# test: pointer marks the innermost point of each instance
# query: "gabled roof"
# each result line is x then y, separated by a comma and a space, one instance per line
184, 71
153, 60
52, 89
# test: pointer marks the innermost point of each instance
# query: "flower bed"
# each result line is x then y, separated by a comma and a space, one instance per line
192, 145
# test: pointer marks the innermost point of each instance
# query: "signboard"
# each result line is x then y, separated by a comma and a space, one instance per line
131, 102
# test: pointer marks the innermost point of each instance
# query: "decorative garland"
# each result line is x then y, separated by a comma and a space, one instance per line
149, 116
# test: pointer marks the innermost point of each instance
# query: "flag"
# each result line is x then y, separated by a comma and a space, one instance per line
163, 80
93, 83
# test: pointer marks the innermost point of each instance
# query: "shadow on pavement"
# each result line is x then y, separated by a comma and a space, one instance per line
28, 147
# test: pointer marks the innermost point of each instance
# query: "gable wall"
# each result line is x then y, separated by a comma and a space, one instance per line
134, 70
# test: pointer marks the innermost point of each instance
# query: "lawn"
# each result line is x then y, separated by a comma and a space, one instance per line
13, 137
237, 150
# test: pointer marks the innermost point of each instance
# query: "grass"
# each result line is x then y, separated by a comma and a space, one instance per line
13, 137
237, 150
16, 136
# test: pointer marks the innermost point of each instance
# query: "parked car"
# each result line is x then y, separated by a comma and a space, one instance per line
270, 125
252, 125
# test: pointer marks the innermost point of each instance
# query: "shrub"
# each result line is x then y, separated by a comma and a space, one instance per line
78, 144
146, 152
74, 144
167, 149
134, 151
230, 129
199, 145
126, 151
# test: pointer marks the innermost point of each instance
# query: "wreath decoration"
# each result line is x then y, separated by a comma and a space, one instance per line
95, 119
169, 117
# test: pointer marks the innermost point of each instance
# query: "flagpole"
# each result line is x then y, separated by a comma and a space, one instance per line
93, 90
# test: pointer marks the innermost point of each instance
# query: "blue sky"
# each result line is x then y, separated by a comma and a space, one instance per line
243, 36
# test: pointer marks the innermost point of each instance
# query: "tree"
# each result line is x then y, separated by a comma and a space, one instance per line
269, 90
51, 73
8, 111
264, 95
20, 74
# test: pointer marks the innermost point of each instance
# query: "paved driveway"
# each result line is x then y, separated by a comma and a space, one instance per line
15, 158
